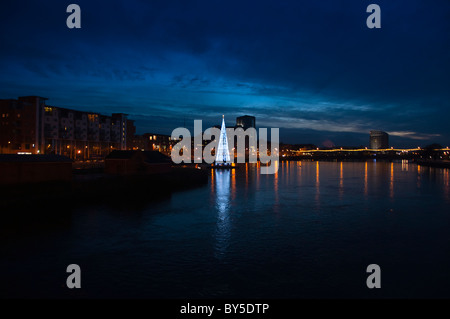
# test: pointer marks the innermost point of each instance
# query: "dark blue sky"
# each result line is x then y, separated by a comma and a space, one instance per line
311, 68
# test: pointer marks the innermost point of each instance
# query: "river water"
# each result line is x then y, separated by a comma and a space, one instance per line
309, 231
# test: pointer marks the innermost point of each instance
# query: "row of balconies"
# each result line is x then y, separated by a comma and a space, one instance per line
81, 127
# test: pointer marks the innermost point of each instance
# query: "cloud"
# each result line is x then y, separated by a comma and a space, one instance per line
299, 65
414, 135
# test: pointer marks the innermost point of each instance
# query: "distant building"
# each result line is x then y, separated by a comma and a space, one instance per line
28, 125
21, 129
138, 142
379, 140
246, 121
160, 142
137, 162
294, 149
153, 142
19, 169
131, 132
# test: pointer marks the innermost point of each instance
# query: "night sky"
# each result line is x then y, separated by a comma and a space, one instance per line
311, 68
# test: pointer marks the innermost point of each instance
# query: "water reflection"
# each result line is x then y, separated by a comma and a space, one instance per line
405, 165
233, 184
287, 173
317, 184
222, 205
299, 175
212, 181
276, 163
254, 252
341, 180
391, 182
246, 176
418, 176
446, 178
366, 191
258, 172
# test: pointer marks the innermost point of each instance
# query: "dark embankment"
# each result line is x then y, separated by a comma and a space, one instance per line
433, 163
97, 188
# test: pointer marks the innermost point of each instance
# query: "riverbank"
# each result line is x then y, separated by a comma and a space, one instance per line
433, 163
96, 187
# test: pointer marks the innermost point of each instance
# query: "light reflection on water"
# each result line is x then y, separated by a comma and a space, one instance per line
221, 185
447, 186
317, 184
341, 180
366, 190
276, 205
308, 231
391, 182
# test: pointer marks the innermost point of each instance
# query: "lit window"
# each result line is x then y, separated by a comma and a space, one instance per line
92, 117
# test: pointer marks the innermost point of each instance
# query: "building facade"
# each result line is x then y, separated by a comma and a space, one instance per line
29, 126
246, 121
20, 125
379, 140
153, 142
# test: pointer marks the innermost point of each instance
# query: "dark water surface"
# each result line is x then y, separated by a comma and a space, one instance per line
309, 231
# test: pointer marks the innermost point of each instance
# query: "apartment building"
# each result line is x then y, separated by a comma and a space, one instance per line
29, 125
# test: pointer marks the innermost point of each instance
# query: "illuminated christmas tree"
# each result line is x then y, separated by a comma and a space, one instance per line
223, 154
